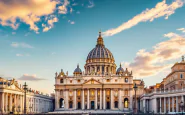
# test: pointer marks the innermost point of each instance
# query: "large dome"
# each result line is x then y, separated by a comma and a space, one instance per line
100, 51
100, 60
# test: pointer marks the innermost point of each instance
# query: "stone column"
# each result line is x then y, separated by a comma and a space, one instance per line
160, 105
74, 103
95, 98
154, 105
2, 102
67, 100
100, 98
6, 102
164, 104
15, 102
105, 69
87, 98
144, 107
104, 99
56, 99
10, 107
182, 99
168, 104
119, 102
95, 67
82, 98
100, 70
177, 109
21, 103
112, 104
109, 68
172, 104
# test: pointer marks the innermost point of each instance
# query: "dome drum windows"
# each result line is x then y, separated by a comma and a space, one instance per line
181, 76
61, 81
126, 80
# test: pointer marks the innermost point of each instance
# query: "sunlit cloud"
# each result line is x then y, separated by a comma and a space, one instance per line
182, 30
21, 55
49, 24
63, 8
91, 4
30, 12
71, 22
21, 45
27, 77
160, 10
150, 63
78, 12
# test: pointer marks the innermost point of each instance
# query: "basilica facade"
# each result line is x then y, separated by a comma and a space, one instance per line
102, 85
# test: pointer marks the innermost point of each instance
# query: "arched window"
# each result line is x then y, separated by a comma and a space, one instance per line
92, 92
126, 80
61, 81
181, 76
126, 103
108, 92
79, 92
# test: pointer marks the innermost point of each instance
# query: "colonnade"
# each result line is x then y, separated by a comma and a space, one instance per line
11, 102
103, 69
91, 98
164, 104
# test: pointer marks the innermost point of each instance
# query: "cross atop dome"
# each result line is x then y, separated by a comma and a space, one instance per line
100, 40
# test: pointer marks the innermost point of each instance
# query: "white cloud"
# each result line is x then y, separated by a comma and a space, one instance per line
30, 78
71, 22
21, 45
182, 30
63, 8
91, 4
74, 4
13, 33
14, 12
71, 10
21, 55
171, 34
161, 9
26, 34
150, 63
78, 12
50, 24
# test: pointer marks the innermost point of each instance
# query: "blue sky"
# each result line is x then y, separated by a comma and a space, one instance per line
29, 51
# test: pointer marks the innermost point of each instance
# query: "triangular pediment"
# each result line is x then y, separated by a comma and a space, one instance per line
92, 81
13, 85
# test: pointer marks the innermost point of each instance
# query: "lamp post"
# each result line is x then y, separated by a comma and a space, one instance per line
182, 106
135, 109
25, 89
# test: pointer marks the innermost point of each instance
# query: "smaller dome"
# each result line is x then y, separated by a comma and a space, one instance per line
77, 70
120, 70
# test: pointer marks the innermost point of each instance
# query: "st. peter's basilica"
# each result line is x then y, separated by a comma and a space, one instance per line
103, 85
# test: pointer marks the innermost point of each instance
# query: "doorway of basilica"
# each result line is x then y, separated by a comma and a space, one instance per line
70, 104
79, 105
108, 105
92, 104
61, 103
